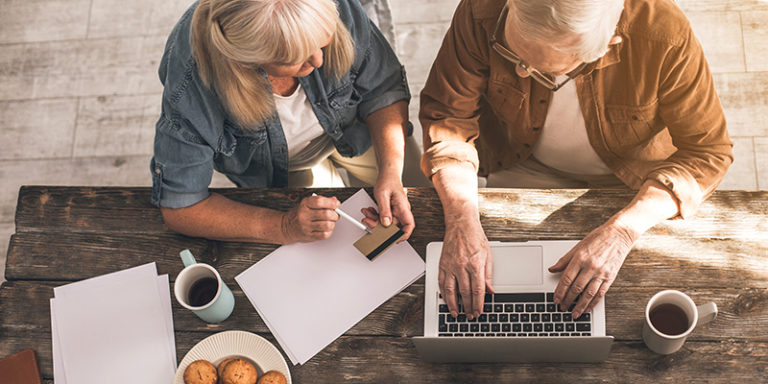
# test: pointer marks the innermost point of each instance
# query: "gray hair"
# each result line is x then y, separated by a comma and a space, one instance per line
592, 21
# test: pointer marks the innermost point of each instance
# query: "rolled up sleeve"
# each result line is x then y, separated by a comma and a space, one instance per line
690, 108
450, 99
182, 166
381, 79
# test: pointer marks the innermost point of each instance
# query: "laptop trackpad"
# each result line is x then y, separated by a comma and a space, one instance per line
517, 265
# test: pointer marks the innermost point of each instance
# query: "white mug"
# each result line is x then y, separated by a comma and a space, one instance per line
221, 303
670, 317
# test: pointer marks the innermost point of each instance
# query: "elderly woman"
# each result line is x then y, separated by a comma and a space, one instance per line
276, 93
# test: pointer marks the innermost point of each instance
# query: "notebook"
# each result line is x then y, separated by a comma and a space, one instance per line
520, 323
20, 368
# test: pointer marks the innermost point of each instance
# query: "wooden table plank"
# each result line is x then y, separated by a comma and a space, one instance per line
743, 313
362, 359
661, 260
506, 213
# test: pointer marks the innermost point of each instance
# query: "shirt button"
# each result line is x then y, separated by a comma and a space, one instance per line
536, 128
157, 171
542, 101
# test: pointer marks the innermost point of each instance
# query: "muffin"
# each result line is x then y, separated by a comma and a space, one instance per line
239, 371
223, 364
273, 377
200, 372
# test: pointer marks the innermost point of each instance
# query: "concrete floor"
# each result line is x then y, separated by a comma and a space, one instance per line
79, 93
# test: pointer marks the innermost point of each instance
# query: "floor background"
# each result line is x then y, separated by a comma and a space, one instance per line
79, 93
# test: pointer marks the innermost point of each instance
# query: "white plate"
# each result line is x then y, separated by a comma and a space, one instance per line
225, 345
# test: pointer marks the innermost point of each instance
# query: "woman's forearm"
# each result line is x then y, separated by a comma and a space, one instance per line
220, 218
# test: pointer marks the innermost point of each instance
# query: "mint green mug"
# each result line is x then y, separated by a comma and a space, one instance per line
199, 288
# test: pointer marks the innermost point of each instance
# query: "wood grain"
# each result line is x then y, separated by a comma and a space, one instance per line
362, 359
743, 312
66, 234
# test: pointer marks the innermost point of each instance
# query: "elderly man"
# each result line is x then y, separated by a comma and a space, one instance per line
568, 94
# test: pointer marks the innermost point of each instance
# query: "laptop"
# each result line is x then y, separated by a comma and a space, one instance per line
520, 323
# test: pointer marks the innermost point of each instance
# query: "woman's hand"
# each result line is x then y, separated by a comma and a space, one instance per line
393, 205
313, 219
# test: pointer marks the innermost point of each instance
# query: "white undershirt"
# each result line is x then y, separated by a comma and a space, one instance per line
563, 143
300, 124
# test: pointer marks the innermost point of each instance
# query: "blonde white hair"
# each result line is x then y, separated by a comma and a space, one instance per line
231, 39
593, 22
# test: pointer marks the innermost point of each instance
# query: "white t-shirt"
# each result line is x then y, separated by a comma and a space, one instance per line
563, 143
301, 128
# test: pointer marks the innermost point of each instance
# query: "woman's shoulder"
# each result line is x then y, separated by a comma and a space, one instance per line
354, 18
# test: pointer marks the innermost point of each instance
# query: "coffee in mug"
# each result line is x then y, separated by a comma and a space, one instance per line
203, 291
670, 316
669, 319
199, 288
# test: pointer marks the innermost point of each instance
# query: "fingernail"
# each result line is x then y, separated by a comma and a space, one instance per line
469, 316
386, 221
453, 314
576, 314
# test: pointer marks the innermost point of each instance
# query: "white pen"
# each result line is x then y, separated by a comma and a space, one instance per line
350, 218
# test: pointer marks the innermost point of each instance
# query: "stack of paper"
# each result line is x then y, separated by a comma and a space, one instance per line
309, 294
116, 328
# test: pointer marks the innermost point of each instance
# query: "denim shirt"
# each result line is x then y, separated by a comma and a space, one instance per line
195, 134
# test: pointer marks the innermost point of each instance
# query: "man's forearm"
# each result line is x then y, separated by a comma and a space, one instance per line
219, 218
651, 205
457, 187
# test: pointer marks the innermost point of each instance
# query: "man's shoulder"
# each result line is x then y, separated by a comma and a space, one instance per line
480, 9
659, 20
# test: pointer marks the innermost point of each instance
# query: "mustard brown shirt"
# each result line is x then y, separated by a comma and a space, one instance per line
649, 104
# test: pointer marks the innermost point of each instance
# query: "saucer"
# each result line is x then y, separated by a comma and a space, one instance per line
228, 344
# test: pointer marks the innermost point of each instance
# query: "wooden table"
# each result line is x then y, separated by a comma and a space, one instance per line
65, 234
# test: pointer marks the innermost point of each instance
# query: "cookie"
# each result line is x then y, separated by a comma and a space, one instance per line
273, 377
239, 372
200, 372
223, 364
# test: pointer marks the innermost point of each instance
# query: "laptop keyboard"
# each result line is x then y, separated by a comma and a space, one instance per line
514, 315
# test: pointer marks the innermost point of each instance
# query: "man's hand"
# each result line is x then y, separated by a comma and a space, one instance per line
313, 219
591, 266
466, 264
393, 206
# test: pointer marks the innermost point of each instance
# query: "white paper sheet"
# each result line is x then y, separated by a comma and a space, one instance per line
105, 327
309, 294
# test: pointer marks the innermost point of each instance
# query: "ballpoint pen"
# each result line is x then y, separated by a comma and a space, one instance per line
350, 219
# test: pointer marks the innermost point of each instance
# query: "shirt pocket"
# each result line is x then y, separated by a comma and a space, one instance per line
630, 125
505, 100
344, 101
239, 148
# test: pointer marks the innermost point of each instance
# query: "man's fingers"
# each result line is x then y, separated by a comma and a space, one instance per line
489, 273
447, 284
562, 263
568, 277
576, 289
478, 292
587, 297
465, 290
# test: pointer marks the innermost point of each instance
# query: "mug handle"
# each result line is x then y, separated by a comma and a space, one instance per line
187, 258
707, 312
